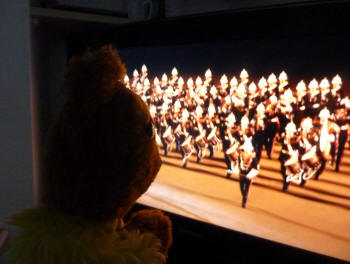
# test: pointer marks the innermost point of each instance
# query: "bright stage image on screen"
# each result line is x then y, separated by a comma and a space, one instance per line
253, 134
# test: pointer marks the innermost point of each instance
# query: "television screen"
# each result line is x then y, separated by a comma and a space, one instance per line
253, 135
251, 118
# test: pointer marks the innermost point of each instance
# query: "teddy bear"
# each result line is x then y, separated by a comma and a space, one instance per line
100, 157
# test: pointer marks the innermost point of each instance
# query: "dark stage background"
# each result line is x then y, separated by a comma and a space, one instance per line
303, 58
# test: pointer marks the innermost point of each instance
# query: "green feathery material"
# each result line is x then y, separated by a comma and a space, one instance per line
49, 237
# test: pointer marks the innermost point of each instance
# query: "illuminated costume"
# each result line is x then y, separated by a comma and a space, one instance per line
225, 138
198, 134
248, 168
252, 100
285, 110
291, 168
272, 85
336, 94
167, 138
186, 148
283, 83
272, 125
301, 101
259, 137
312, 160
213, 139
313, 100
239, 103
326, 96
232, 144
343, 121
198, 117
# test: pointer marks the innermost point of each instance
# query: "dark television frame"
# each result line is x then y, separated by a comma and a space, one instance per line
204, 242
315, 18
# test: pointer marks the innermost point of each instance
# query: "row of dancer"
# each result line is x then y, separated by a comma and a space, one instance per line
241, 118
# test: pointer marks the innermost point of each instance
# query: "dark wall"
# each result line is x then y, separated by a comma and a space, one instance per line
16, 153
306, 41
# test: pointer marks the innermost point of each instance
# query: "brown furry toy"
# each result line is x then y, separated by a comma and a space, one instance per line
100, 157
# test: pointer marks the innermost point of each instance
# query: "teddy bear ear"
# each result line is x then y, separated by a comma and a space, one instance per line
96, 73
149, 130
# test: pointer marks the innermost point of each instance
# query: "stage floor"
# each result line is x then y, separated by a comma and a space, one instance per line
315, 217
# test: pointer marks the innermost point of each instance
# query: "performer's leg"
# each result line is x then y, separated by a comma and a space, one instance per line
271, 137
268, 141
228, 165
321, 169
343, 135
198, 151
242, 188
258, 142
258, 151
269, 147
177, 142
165, 146
182, 152
241, 184
284, 176
246, 186
184, 158
234, 167
211, 150
332, 152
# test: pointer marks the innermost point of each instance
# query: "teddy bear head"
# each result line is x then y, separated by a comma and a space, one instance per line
101, 154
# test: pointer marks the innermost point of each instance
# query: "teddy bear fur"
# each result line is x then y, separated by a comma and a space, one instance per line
100, 157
